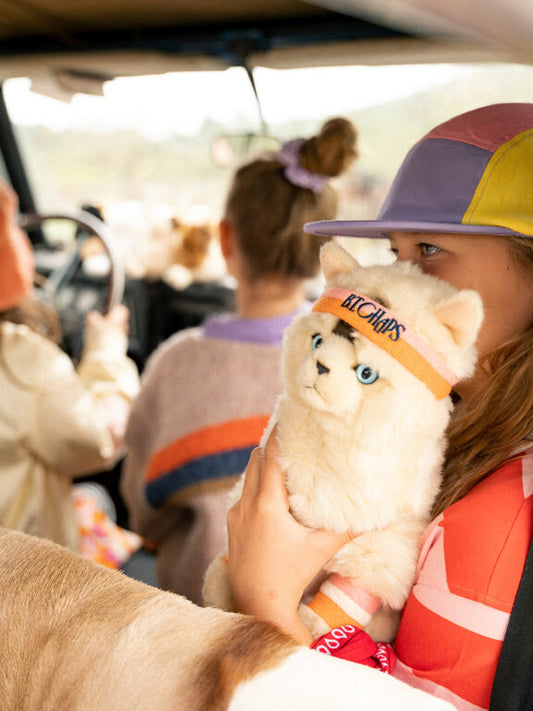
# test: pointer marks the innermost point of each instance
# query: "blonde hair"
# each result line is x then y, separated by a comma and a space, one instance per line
267, 212
501, 420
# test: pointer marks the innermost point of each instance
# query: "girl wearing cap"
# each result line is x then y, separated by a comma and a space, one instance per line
461, 207
207, 393
56, 422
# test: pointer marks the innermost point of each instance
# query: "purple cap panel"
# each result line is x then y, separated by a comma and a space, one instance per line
435, 183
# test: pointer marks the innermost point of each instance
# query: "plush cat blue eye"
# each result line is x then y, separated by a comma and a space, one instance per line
366, 374
316, 341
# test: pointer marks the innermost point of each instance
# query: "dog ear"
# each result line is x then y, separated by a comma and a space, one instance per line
462, 314
335, 260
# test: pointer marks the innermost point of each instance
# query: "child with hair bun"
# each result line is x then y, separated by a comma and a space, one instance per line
208, 392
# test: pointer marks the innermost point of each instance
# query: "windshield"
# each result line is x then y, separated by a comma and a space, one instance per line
143, 151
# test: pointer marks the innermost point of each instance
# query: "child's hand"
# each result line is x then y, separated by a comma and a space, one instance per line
117, 317
272, 557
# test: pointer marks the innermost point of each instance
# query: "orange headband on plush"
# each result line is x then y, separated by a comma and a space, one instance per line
380, 326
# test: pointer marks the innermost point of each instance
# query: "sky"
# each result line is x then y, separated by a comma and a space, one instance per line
156, 106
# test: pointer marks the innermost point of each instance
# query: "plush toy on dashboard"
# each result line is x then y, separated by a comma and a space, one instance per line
361, 423
196, 255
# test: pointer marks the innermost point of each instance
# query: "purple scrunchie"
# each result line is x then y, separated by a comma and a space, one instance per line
289, 156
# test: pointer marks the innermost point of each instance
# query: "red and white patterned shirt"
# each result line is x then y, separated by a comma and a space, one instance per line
470, 567
469, 570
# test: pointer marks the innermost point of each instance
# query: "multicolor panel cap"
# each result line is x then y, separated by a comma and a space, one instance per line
472, 174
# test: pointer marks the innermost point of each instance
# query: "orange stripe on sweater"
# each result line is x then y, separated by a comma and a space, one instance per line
234, 434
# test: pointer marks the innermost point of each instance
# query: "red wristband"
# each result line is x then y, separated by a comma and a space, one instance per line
355, 645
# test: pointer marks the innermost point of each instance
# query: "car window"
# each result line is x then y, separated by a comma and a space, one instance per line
143, 150
152, 152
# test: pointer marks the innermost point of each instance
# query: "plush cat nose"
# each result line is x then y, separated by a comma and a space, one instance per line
322, 370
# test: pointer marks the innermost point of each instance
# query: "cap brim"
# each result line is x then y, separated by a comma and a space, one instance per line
381, 229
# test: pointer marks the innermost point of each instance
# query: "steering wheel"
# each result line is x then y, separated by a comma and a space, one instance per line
62, 276
71, 291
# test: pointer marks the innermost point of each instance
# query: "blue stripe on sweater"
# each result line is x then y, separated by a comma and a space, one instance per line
213, 466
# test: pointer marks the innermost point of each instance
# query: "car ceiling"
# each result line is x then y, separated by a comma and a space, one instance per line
85, 42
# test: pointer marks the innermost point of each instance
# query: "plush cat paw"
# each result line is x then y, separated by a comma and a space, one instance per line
216, 590
383, 627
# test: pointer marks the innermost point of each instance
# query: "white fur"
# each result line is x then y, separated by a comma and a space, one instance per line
367, 458
299, 683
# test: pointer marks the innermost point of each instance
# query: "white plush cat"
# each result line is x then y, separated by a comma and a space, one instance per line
360, 425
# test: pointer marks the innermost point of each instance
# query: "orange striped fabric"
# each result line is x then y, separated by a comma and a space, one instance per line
330, 612
204, 458
339, 602
209, 440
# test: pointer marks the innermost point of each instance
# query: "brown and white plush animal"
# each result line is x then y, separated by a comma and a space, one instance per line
367, 377
195, 256
75, 636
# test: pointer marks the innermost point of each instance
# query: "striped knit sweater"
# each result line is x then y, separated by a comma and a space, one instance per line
206, 397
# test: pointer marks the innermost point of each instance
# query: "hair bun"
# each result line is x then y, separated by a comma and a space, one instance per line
333, 150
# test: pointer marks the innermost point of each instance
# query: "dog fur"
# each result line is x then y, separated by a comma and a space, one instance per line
75, 636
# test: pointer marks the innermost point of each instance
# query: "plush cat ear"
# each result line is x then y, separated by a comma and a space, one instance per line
462, 314
335, 260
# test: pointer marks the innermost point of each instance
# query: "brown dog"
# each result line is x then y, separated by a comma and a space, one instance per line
77, 637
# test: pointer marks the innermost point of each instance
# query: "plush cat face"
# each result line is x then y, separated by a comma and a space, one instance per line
332, 366
325, 366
